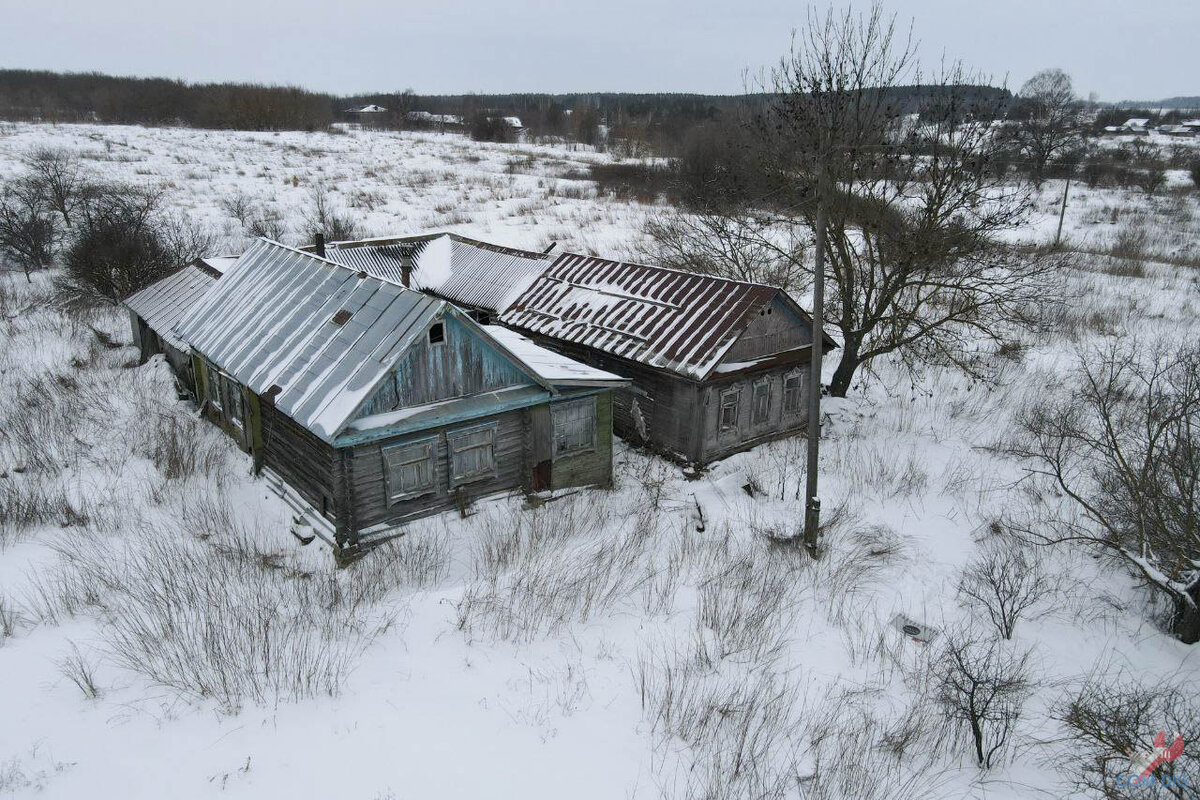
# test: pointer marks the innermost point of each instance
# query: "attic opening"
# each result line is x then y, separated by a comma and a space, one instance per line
437, 333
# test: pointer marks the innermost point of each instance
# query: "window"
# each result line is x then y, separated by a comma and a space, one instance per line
437, 333
234, 403
574, 426
729, 410
761, 403
472, 454
214, 386
409, 469
793, 390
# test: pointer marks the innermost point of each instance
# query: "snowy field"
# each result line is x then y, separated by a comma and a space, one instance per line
162, 634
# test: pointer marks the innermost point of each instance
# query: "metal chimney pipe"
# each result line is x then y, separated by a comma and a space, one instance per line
406, 265
319, 244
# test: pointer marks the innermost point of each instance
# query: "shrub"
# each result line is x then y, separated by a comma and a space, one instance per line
982, 685
124, 241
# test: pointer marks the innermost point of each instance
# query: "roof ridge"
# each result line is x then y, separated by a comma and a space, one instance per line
383, 241
675, 270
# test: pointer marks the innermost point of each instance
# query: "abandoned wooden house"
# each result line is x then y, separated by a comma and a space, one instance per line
377, 404
716, 365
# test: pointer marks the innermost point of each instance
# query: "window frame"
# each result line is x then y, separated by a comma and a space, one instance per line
439, 326
760, 388
558, 411
797, 392
398, 494
453, 449
723, 396
213, 383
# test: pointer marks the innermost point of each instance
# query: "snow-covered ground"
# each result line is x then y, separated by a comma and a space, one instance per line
162, 634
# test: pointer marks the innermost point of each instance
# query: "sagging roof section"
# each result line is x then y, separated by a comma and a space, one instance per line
553, 368
661, 317
164, 303
465, 271
312, 336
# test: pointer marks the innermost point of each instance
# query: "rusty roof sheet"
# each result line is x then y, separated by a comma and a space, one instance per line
464, 271
313, 335
661, 317
165, 302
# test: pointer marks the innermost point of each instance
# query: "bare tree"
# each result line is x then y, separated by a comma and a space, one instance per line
60, 178
1113, 724
982, 684
325, 217
123, 242
29, 234
1006, 582
1124, 449
1048, 123
914, 211
731, 244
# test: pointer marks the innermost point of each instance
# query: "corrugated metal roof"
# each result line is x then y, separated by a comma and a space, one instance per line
164, 303
464, 271
661, 317
269, 322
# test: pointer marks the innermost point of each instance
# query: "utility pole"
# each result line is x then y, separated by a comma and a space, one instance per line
812, 507
1062, 212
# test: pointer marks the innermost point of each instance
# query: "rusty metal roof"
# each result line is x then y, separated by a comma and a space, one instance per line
165, 302
464, 271
272, 322
661, 317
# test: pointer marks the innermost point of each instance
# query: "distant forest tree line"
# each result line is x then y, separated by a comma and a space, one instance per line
657, 123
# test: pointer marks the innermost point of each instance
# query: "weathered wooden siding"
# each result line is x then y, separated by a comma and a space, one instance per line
593, 468
773, 329
718, 443
461, 365
365, 472
667, 402
309, 465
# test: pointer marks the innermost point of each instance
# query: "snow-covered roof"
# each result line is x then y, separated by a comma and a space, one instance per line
219, 264
554, 368
309, 335
370, 108
661, 317
465, 271
1136, 122
427, 116
163, 303
514, 122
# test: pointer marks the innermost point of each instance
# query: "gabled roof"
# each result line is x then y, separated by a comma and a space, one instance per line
554, 368
465, 271
163, 303
660, 317
311, 336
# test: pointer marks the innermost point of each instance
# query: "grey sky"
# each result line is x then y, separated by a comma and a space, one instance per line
1117, 48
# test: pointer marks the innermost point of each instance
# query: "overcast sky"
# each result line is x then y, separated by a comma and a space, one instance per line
1116, 48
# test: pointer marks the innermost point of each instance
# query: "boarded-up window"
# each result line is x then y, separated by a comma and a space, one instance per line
574, 426
472, 454
409, 469
761, 408
793, 387
729, 410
